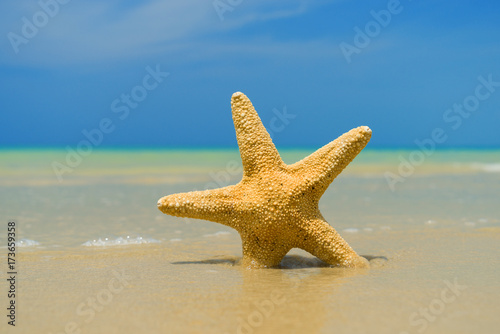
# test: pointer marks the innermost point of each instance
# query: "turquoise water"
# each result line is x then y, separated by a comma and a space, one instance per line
112, 194
438, 223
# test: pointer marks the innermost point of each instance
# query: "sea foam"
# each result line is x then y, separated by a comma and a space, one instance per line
489, 167
119, 241
216, 234
27, 243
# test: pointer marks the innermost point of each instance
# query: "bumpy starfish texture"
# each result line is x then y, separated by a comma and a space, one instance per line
274, 208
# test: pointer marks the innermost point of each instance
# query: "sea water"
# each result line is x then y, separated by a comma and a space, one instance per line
95, 254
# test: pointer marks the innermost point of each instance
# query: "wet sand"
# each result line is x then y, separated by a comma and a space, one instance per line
437, 281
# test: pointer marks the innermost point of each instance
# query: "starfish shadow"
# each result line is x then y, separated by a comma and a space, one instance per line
375, 257
219, 260
288, 262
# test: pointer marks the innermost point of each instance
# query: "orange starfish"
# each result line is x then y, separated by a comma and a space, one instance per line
274, 208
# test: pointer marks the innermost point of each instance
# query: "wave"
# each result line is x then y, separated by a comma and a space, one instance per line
27, 243
119, 241
487, 167
216, 234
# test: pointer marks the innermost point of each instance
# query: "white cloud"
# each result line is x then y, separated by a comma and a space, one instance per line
100, 32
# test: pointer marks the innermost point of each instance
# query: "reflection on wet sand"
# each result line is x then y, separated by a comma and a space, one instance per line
276, 300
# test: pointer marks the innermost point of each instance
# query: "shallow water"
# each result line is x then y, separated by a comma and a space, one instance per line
433, 244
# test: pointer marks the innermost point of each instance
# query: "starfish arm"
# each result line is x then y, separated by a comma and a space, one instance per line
323, 166
215, 205
257, 150
322, 240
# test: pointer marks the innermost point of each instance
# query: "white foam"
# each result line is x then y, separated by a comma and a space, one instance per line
430, 222
368, 229
119, 241
351, 230
488, 167
27, 243
216, 234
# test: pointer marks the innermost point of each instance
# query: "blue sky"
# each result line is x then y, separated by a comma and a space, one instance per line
66, 68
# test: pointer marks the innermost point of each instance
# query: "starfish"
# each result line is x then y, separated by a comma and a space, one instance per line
274, 207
